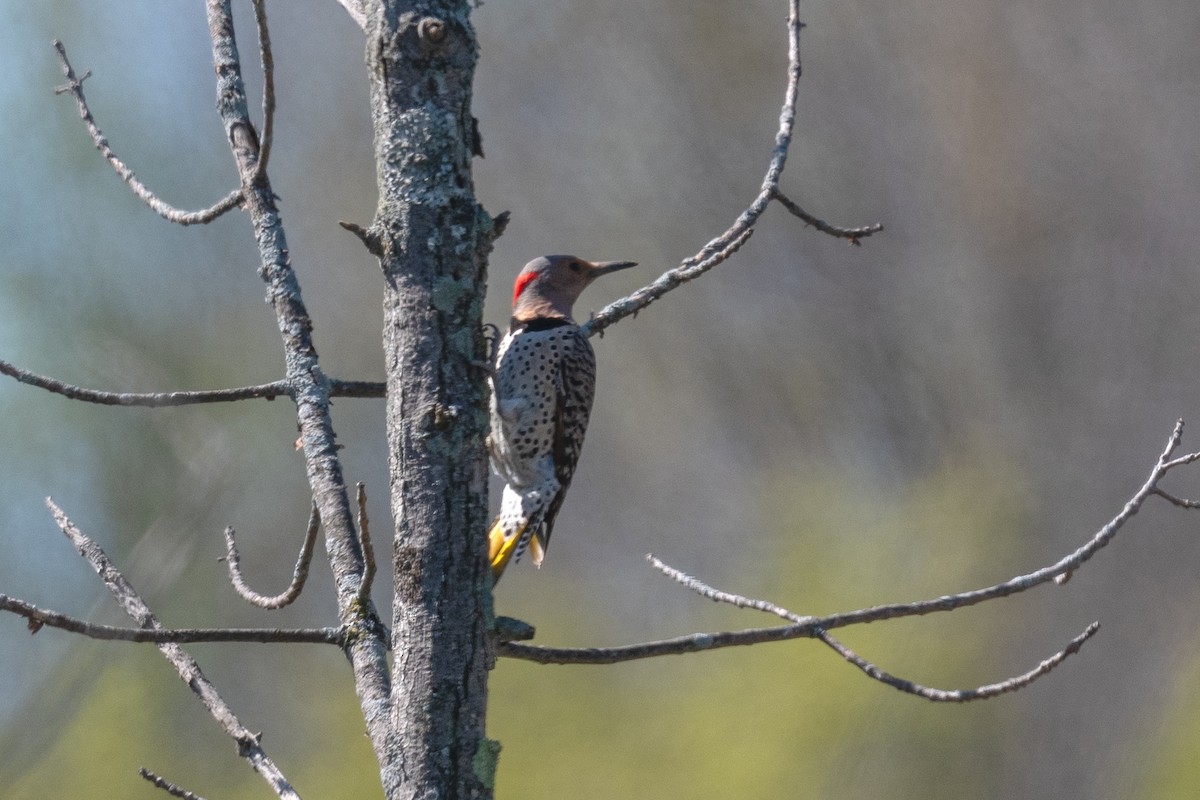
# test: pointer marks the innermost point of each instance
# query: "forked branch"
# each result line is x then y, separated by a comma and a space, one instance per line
802, 626
722, 247
74, 86
816, 631
131, 602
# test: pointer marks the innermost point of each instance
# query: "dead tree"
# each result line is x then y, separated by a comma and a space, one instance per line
425, 710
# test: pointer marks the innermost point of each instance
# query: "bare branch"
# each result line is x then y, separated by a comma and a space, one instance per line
985, 692
719, 249
1171, 463
40, 617
299, 574
268, 391
817, 627
168, 212
149, 399
364, 539
167, 786
1021, 583
803, 627
700, 642
268, 67
716, 595
1182, 502
1064, 566
854, 235
249, 747
669, 280
679, 645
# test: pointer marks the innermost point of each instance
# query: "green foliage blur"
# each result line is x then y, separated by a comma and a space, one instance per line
962, 399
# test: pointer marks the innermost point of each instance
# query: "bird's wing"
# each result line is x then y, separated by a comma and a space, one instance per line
576, 387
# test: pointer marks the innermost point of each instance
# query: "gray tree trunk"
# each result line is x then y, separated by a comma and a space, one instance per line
432, 240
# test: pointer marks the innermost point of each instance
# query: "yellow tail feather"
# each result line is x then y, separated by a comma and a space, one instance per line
501, 549
537, 551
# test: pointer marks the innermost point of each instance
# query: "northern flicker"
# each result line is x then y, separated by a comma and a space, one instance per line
542, 389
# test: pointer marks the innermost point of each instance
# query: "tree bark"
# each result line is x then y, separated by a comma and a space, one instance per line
432, 239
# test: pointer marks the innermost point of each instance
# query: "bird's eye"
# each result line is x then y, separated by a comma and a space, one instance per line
575, 266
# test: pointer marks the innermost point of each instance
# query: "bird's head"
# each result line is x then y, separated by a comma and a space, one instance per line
550, 285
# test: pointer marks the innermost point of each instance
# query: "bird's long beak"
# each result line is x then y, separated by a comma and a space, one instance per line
604, 267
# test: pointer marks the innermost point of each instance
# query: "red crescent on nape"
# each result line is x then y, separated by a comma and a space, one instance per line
522, 281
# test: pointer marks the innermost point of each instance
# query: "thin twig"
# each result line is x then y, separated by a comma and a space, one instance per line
716, 595
984, 692
133, 605
41, 617
810, 627
167, 786
853, 235
1182, 502
268, 67
1170, 463
168, 212
268, 391
299, 574
364, 539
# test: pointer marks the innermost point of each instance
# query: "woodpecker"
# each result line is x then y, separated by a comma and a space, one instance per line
542, 389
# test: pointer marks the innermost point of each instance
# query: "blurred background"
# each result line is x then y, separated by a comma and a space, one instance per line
966, 397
